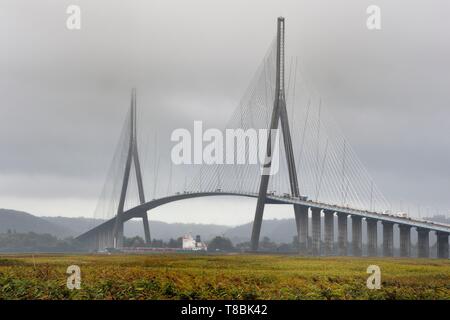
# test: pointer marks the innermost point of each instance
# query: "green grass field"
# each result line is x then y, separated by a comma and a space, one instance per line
186, 276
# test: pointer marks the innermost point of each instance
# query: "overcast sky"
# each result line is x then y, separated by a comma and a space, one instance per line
64, 94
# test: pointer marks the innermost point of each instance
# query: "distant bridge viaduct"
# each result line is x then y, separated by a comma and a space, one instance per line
102, 236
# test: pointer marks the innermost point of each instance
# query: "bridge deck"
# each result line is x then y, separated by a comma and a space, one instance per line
272, 199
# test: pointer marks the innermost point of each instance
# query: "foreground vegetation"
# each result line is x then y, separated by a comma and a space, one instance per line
186, 276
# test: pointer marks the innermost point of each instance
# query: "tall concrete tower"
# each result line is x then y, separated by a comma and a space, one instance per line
279, 114
132, 156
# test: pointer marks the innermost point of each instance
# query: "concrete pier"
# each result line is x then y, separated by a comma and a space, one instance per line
356, 236
372, 237
342, 233
120, 236
329, 232
405, 240
315, 215
423, 243
101, 240
388, 239
442, 245
302, 229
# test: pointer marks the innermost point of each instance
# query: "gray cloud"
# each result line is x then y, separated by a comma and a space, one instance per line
64, 94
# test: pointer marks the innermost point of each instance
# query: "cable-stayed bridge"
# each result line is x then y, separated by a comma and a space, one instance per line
318, 173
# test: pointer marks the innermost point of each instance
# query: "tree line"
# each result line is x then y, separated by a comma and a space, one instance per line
218, 243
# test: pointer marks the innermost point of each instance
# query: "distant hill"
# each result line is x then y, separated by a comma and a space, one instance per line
278, 230
74, 226
64, 227
158, 229
23, 222
165, 231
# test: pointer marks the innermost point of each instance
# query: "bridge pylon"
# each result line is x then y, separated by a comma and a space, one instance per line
279, 114
132, 157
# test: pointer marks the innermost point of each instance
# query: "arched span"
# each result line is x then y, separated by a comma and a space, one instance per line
136, 212
271, 199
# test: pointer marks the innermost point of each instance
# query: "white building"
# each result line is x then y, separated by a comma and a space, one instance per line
190, 243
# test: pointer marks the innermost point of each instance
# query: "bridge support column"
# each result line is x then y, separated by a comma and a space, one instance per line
97, 242
372, 237
356, 236
301, 219
111, 239
388, 239
107, 243
329, 232
148, 240
423, 243
315, 213
119, 236
342, 233
279, 115
405, 240
105, 239
101, 241
442, 245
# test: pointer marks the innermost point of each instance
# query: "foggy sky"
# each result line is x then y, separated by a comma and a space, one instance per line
64, 94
